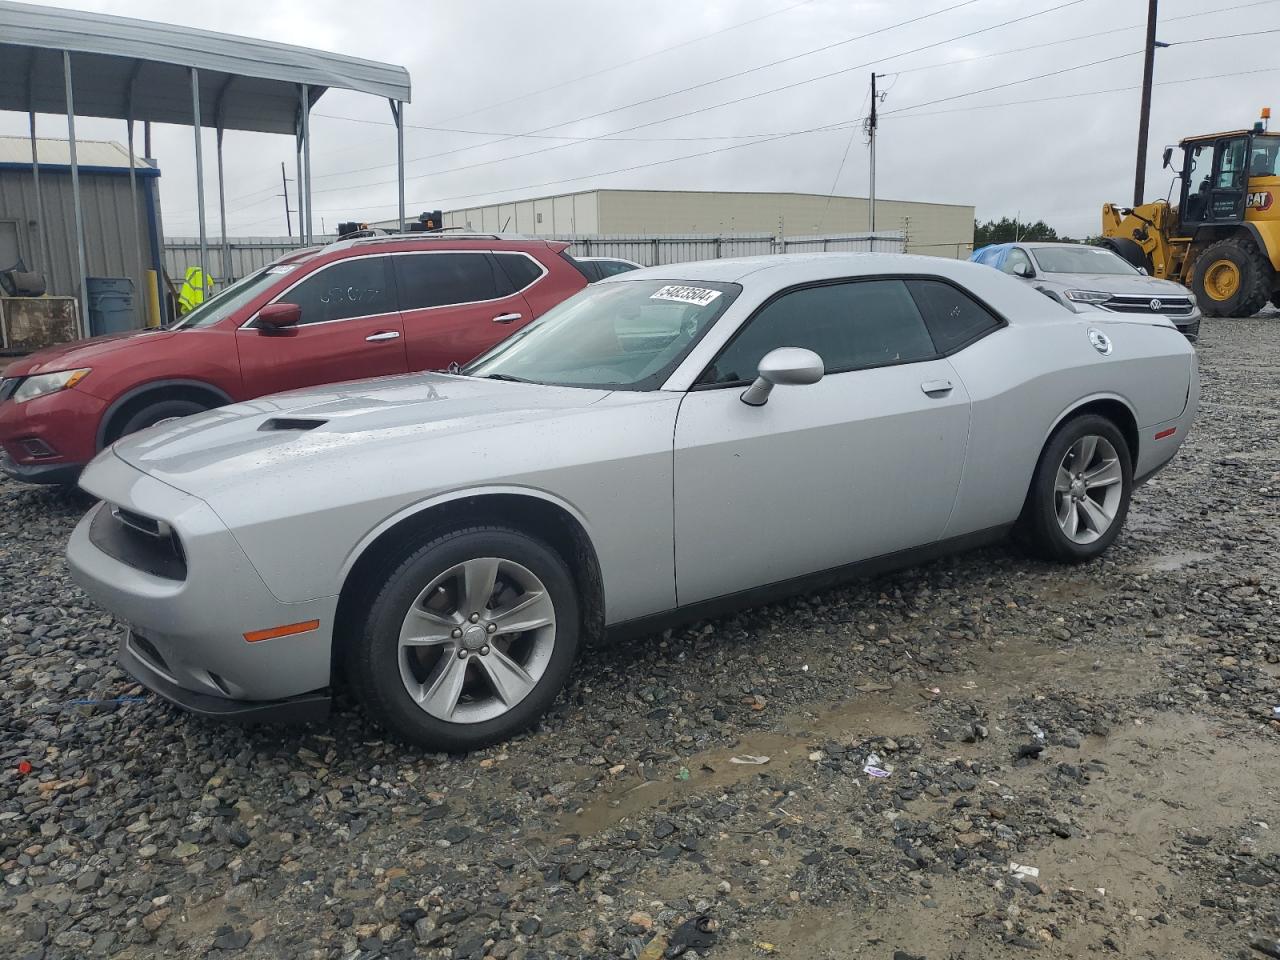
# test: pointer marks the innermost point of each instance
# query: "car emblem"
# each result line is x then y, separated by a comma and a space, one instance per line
1101, 342
1156, 304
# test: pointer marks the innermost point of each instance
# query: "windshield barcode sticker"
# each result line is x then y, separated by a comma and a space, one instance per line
699, 296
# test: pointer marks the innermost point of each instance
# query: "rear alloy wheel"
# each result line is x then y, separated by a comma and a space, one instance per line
1232, 279
1079, 496
469, 641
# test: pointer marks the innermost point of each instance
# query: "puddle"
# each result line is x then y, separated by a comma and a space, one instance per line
883, 713
1169, 562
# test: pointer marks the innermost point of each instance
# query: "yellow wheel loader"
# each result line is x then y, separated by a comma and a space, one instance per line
1223, 238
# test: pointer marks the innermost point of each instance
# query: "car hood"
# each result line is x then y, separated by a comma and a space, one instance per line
241, 443
82, 353
1113, 283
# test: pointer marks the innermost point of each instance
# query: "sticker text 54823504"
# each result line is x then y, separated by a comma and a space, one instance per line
699, 296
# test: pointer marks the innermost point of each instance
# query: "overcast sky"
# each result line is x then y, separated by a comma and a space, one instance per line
469, 60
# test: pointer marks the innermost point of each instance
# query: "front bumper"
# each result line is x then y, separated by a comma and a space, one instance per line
1189, 327
307, 708
194, 621
66, 423
50, 473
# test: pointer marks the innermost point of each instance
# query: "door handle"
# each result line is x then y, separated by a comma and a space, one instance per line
932, 387
506, 318
382, 335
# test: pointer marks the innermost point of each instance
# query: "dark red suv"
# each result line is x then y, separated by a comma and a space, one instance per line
354, 309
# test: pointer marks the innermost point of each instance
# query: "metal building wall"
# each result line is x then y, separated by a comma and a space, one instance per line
930, 228
110, 246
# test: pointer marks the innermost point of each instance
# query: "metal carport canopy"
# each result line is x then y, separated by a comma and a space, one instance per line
92, 64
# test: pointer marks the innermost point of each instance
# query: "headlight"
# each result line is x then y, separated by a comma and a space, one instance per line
1088, 296
38, 386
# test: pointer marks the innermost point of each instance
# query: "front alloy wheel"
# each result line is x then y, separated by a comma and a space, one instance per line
477, 640
467, 639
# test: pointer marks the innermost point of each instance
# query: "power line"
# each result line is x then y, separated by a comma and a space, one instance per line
625, 63
1086, 93
614, 134
729, 76
737, 100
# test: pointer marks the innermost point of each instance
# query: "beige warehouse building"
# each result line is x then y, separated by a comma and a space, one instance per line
941, 229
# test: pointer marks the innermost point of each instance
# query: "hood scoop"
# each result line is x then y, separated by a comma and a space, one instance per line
292, 423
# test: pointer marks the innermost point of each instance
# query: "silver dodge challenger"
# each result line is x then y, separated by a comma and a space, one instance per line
665, 445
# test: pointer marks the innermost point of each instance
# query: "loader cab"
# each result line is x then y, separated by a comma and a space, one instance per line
1216, 171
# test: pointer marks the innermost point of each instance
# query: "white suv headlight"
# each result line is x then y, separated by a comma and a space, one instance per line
1088, 296
47, 383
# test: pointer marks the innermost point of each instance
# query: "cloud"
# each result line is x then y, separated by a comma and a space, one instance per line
475, 63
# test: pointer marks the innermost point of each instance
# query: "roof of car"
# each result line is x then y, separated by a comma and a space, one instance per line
513, 241
784, 269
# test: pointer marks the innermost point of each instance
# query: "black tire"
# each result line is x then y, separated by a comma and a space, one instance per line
1038, 527
1128, 250
150, 415
372, 665
1257, 278
1275, 299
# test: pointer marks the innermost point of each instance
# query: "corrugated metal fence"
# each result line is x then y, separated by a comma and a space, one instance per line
248, 254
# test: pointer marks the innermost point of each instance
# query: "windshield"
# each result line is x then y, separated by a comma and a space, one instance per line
1081, 260
626, 335
1265, 161
228, 301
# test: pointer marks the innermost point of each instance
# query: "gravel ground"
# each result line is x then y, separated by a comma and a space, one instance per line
1109, 726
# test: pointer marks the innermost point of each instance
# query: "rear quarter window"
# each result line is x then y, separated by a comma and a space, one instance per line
953, 317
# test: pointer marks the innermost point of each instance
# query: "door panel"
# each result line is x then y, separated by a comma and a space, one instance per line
455, 305
321, 353
855, 466
349, 330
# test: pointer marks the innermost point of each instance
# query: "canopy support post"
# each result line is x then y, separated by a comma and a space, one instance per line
75, 191
140, 282
302, 226
397, 111
306, 157
204, 241
42, 247
218, 119
222, 216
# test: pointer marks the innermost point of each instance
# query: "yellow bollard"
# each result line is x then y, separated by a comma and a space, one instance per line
153, 300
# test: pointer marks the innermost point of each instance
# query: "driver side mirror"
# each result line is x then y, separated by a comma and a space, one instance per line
1168, 156
792, 366
276, 317
1023, 270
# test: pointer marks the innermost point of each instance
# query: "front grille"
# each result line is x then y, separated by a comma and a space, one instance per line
158, 553
1168, 306
8, 387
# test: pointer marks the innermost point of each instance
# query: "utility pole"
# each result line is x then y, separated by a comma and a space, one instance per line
871, 131
284, 183
1148, 67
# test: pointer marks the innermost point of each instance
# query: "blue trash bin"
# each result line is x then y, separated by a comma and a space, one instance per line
110, 305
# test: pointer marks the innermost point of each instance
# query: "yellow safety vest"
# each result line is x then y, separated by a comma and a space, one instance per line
193, 291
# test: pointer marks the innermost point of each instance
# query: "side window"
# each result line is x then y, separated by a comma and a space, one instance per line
518, 269
611, 268
441, 279
1017, 263
954, 318
349, 288
866, 323
1231, 173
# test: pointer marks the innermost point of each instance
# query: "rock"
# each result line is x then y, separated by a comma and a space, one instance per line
228, 939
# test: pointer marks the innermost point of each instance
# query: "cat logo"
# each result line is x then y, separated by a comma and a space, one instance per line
1261, 200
